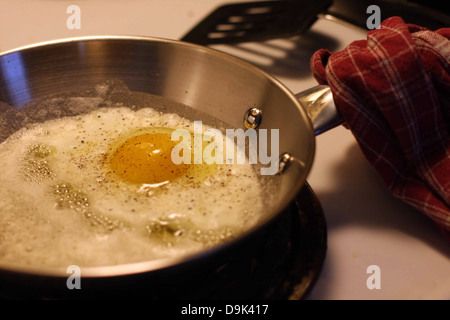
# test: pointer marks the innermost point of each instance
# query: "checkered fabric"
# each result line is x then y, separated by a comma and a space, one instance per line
393, 91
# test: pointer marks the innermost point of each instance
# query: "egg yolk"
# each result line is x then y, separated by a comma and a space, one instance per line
146, 158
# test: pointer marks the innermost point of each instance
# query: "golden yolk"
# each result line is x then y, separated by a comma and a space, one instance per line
146, 158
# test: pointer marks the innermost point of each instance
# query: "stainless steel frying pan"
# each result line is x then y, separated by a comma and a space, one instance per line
204, 79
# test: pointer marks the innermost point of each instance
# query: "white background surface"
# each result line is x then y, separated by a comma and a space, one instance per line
366, 225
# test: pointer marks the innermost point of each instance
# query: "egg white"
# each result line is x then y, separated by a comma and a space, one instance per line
64, 207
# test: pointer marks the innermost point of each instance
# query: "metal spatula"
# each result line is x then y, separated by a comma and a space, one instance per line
256, 21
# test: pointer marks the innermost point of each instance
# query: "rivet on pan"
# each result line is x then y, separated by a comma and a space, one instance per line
285, 161
252, 118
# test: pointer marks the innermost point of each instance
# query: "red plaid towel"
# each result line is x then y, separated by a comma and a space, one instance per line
393, 91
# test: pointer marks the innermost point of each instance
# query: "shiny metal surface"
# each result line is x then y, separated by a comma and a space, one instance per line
213, 82
253, 118
285, 161
321, 109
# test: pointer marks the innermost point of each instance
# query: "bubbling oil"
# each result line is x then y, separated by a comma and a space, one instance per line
62, 203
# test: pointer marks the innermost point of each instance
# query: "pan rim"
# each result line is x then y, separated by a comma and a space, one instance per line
163, 263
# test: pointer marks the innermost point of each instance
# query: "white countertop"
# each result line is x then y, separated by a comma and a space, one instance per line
366, 225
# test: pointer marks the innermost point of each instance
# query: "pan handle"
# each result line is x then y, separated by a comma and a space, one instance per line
319, 104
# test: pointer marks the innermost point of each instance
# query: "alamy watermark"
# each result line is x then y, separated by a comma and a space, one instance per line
74, 20
250, 144
74, 280
374, 280
374, 20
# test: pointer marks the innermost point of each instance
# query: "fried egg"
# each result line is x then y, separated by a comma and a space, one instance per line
101, 189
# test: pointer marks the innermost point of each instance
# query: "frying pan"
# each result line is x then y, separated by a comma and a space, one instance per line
210, 81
